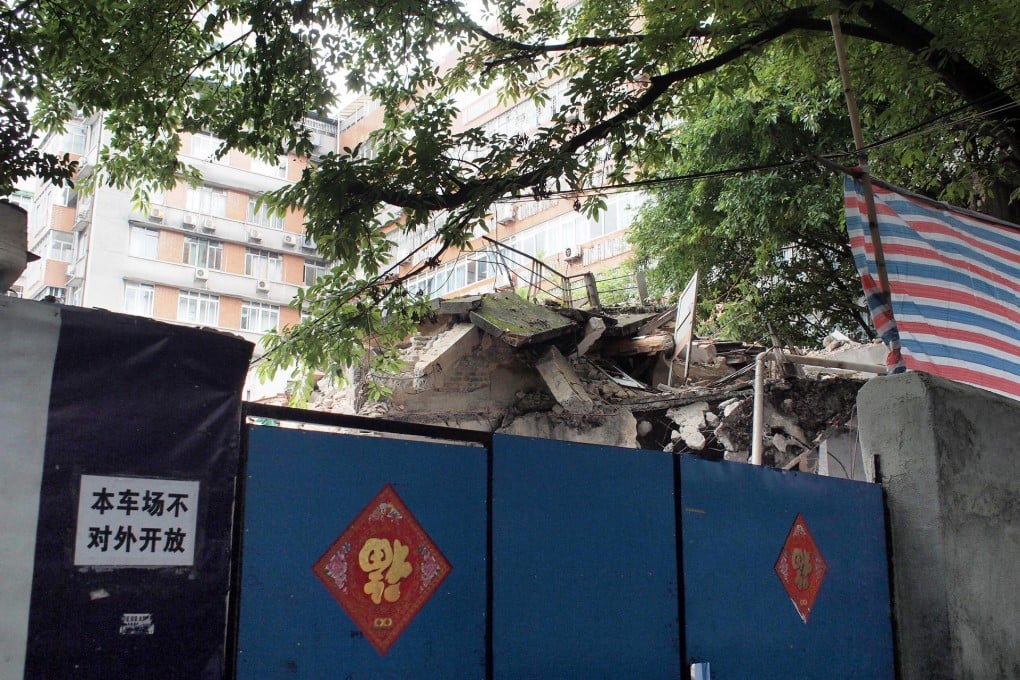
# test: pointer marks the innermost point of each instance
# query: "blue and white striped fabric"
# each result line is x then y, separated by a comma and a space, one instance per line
955, 285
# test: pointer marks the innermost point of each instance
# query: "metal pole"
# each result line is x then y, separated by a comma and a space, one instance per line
759, 409
862, 159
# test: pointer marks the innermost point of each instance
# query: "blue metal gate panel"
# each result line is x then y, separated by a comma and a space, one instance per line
303, 490
739, 618
584, 562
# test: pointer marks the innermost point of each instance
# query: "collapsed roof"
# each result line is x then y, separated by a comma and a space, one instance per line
501, 363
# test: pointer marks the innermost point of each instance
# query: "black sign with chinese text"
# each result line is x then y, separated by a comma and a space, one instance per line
133, 547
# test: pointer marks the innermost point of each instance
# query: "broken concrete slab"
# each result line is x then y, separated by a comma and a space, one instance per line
446, 350
457, 306
563, 383
629, 324
517, 322
657, 322
613, 428
592, 332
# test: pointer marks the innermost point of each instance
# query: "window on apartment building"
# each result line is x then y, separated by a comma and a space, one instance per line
204, 146
138, 298
58, 294
143, 242
206, 200
153, 194
81, 246
263, 264
76, 140
200, 308
66, 195
203, 252
262, 216
277, 169
259, 317
479, 268
618, 215
61, 246
451, 277
313, 270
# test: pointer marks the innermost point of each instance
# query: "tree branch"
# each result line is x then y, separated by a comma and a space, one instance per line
802, 20
969, 82
658, 85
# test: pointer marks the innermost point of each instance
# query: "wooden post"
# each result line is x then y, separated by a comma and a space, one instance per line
862, 159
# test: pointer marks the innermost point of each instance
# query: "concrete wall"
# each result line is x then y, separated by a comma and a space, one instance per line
948, 457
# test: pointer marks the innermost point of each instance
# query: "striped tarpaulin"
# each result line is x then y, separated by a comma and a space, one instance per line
955, 283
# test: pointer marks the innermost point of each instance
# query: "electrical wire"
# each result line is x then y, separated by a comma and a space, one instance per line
932, 125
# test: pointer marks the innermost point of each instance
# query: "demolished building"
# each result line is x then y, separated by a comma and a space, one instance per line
499, 363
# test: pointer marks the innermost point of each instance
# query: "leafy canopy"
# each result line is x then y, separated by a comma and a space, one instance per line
770, 246
249, 70
770, 243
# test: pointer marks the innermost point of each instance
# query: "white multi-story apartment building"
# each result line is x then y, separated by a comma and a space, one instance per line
549, 230
205, 256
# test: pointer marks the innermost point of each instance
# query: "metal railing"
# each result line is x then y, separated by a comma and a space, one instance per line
544, 282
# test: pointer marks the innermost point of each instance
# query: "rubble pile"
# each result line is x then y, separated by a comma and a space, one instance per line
500, 363
798, 414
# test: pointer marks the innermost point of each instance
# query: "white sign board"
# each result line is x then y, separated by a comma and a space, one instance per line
136, 522
686, 309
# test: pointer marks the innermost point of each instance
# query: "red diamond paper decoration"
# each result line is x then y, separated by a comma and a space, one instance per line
801, 568
383, 569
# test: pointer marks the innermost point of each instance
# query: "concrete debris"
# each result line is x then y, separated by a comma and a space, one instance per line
690, 420
593, 330
612, 427
438, 357
564, 384
729, 406
501, 363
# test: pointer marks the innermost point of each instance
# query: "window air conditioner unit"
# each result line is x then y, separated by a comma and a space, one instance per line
505, 213
289, 240
81, 220
263, 286
254, 235
156, 214
315, 138
209, 224
308, 242
571, 253
189, 221
201, 273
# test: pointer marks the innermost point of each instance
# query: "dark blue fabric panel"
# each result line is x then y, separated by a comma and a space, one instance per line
739, 617
303, 490
584, 562
133, 397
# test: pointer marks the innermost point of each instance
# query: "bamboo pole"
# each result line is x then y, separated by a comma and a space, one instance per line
862, 159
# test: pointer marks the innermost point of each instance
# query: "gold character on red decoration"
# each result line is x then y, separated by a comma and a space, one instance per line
386, 565
801, 560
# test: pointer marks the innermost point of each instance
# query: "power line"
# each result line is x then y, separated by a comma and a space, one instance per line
929, 126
